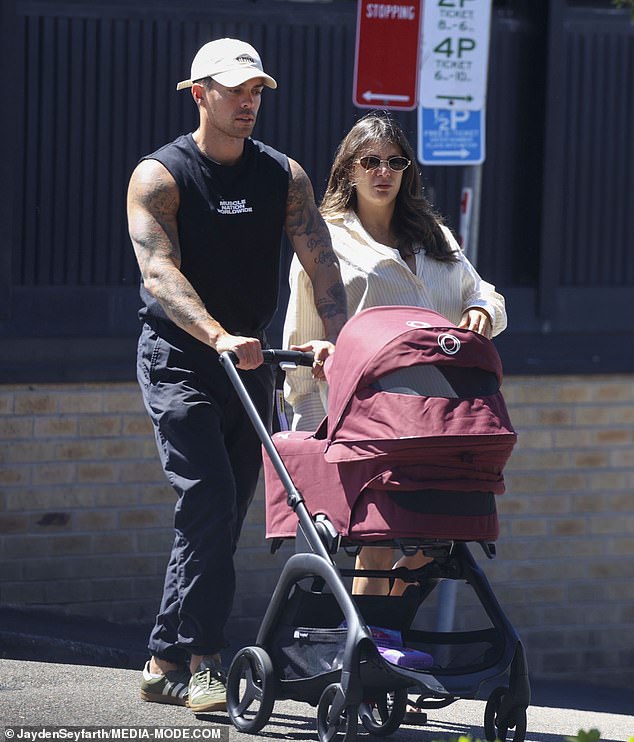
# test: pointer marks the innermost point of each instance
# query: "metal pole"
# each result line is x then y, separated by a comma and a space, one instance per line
472, 179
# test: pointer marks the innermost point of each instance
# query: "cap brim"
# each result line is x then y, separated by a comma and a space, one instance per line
237, 77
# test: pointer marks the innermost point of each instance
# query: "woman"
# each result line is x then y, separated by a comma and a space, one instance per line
392, 249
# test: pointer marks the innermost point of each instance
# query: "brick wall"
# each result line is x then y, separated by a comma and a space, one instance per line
566, 553
85, 517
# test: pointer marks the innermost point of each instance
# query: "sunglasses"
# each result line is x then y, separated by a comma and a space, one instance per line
396, 163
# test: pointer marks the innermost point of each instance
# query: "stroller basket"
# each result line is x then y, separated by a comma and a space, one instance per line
306, 652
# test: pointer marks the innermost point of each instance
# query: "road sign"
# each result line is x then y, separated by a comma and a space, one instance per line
387, 54
455, 54
450, 137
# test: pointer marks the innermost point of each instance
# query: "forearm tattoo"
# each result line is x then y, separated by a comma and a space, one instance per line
182, 303
309, 234
333, 304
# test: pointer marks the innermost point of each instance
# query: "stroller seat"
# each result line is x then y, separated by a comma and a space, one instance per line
384, 506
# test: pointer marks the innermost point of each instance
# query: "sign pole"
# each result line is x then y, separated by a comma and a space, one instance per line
470, 227
471, 189
451, 116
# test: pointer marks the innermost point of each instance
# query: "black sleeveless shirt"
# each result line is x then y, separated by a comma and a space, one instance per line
230, 223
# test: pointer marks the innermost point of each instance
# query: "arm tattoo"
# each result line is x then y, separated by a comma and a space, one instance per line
311, 240
153, 224
153, 207
303, 218
333, 304
326, 257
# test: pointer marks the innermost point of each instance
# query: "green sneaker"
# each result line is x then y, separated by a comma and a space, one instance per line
173, 687
207, 689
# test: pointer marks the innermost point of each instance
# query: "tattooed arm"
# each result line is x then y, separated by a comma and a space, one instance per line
153, 201
309, 236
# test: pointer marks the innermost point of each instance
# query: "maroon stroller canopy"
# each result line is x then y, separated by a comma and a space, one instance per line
401, 376
416, 437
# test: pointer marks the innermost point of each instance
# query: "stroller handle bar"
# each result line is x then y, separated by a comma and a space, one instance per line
271, 356
228, 361
298, 357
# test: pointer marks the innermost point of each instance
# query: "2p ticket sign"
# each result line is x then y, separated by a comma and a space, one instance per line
387, 54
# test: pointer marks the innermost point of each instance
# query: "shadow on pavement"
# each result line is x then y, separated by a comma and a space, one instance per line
42, 636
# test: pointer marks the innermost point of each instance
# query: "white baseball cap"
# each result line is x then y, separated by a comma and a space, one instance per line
229, 62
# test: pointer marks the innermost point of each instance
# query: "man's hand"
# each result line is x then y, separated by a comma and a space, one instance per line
477, 320
248, 350
321, 349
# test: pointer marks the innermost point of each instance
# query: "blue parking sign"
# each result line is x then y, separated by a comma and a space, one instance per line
450, 137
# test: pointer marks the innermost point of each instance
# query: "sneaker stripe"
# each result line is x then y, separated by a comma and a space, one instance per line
206, 691
197, 691
175, 689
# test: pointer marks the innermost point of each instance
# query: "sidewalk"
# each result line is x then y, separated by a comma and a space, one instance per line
556, 710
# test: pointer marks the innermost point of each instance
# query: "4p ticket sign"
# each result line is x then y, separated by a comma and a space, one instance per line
455, 54
387, 54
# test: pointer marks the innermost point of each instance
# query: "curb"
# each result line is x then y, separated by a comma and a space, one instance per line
66, 651
41, 636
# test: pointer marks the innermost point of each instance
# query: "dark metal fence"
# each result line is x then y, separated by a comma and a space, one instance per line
92, 88
587, 260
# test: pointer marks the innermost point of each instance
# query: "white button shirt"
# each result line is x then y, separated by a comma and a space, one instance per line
373, 275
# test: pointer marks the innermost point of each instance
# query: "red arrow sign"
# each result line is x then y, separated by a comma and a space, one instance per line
386, 55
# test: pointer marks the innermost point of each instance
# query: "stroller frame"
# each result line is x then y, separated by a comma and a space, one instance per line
342, 695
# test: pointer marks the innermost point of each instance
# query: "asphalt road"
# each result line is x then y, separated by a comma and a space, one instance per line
66, 695
78, 672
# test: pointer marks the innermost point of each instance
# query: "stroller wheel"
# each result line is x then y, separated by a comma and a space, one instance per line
385, 713
250, 689
341, 729
495, 726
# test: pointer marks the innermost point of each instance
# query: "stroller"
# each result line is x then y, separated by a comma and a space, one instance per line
409, 457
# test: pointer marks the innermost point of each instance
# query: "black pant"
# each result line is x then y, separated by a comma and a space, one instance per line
211, 455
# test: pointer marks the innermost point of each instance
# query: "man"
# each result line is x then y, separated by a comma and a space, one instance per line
206, 214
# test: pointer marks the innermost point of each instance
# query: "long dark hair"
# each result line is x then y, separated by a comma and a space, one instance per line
415, 223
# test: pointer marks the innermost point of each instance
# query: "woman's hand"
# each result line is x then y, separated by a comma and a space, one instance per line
477, 320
